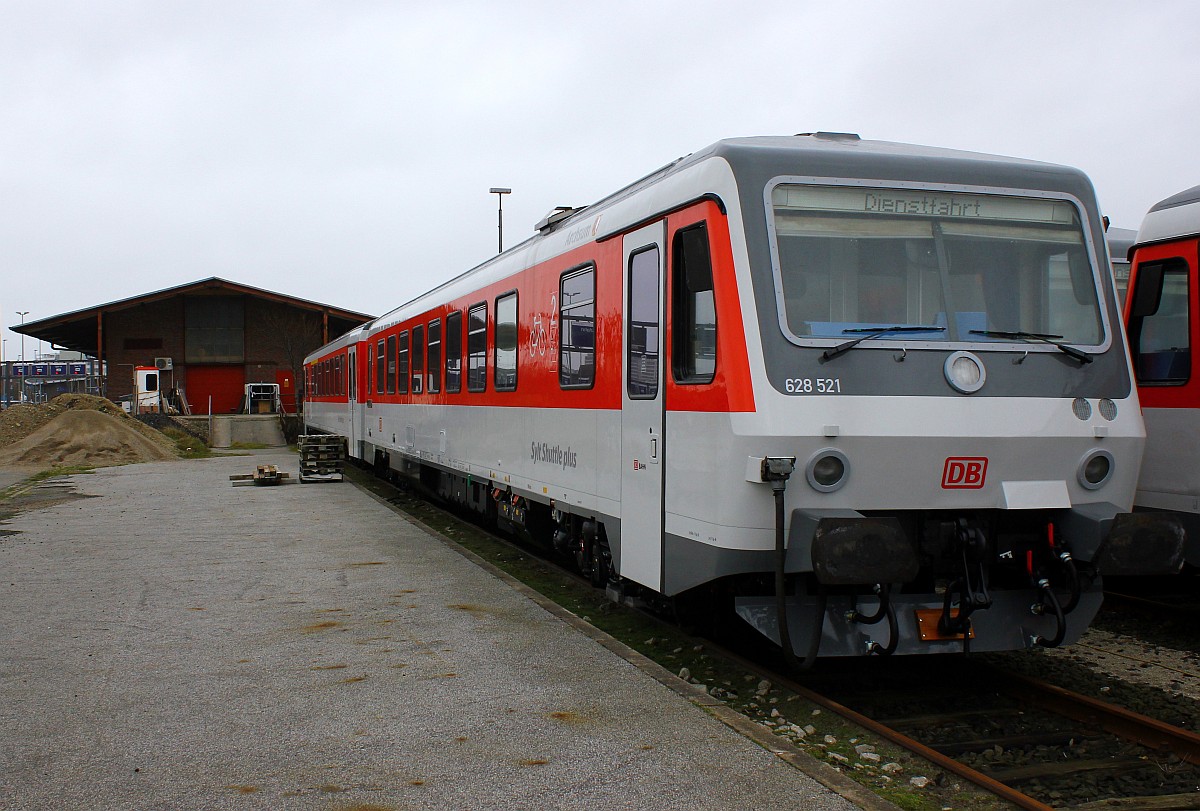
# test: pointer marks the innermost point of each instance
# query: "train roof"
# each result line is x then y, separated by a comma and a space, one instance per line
821, 154
1191, 195
1176, 217
1120, 242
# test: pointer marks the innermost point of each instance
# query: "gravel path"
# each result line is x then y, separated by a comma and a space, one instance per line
1129, 659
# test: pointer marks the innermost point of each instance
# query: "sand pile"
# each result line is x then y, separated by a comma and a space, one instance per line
77, 429
85, 437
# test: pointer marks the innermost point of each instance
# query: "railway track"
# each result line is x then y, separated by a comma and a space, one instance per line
1029, 743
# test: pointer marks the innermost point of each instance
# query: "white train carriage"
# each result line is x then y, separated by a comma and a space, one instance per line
1163, 319
872, 395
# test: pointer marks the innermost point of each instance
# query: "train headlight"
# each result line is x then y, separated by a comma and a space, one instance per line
965, 372
1108, 409
1096, 469
827, 470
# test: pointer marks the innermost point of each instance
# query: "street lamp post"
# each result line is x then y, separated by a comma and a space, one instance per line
499, 192
23, 314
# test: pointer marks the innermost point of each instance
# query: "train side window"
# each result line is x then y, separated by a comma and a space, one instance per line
1159, 325
454, 353
370, 368
402, 365
337, 376
380, 367
643, 325
694, 309
477, 318
418, 358
391, 364
434, 355
505, 337
577, 329
352, 376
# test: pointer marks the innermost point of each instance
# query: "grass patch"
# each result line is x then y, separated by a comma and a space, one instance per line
189, 446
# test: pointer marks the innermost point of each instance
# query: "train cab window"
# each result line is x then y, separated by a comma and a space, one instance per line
418, 359
953, 267
380, 367
643, 326
1159, 328
477, 318
391, 364
454, 353
434, 356
577, 329
505, 364
693, 308
402, 365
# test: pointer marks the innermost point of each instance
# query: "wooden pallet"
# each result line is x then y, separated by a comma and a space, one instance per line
322, 457
263, 475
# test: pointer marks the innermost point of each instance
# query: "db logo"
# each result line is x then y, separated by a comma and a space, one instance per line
964, 473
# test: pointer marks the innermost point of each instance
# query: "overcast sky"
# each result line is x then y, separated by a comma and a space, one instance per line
342, 151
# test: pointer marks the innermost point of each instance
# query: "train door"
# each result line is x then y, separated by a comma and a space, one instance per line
642, 411
1163, 323
352, 397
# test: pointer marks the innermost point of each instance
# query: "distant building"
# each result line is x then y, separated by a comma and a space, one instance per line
47, 376
208, 338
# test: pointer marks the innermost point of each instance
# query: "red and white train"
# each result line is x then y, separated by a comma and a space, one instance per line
874, 396
1163, 321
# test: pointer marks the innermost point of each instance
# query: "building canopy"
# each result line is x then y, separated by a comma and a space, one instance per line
83, 330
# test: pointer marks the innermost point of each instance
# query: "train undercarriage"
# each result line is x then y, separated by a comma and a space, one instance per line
904, 583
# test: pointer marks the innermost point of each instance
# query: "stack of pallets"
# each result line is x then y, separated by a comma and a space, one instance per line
322, 456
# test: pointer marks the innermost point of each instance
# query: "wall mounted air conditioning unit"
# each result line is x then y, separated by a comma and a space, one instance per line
163, 364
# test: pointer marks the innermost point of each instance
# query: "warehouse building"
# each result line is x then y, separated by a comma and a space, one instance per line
208, 339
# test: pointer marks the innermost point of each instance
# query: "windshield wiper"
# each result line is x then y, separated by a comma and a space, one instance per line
1037, 337
873, 332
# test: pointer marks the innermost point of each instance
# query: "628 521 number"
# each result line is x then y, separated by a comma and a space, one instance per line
813, 385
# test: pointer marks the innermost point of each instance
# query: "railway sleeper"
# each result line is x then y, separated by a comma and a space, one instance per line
1016, 775
1056, 739
1163, 802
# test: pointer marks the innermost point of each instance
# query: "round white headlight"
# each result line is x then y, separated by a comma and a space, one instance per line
827, 470
1096, 469
964, 372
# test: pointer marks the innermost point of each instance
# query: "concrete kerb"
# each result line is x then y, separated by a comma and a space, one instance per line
795, 757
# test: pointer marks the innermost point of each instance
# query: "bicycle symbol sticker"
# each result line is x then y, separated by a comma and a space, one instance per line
543, 333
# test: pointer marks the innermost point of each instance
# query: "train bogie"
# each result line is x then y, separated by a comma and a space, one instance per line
871, 374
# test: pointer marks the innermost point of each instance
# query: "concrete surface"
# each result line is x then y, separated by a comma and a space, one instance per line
14, 475
179, 643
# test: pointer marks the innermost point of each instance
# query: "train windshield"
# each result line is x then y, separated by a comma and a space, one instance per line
850, 258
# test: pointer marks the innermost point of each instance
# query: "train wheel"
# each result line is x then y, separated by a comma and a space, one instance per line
599, 568
584, 558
